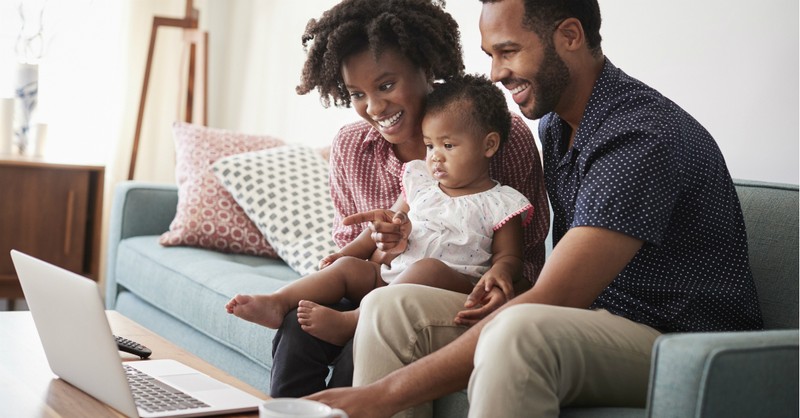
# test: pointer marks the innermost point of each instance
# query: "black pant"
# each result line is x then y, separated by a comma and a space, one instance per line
300, 361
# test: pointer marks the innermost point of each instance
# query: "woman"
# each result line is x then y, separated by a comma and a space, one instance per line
381, 58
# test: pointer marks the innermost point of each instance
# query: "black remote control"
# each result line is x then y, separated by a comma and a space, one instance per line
128, 346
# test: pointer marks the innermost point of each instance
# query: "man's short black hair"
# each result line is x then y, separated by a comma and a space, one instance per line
541, 17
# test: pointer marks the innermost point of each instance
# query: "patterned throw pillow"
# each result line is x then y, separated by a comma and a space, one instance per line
207, 216
285, 191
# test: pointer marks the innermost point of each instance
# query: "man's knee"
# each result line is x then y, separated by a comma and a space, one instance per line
557, 331
386, 298
538, 324
409, 302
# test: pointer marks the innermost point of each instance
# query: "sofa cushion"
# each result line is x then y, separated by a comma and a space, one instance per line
692, 372
285, 191
771, 219
207, 216
757, 372
194, 284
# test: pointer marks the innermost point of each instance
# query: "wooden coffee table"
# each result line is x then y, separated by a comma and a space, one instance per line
28, 388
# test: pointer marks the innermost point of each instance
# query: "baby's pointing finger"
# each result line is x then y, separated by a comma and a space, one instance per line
400, 218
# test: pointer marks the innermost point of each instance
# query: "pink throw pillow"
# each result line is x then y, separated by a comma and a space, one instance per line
207, 215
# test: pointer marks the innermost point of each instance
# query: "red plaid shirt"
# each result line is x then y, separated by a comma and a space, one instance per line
365, 175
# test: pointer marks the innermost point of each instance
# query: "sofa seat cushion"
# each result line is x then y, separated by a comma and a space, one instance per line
194, 284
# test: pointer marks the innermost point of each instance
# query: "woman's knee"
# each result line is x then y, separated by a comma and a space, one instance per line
290, 324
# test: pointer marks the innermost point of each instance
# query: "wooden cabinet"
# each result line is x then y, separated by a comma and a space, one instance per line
51, 211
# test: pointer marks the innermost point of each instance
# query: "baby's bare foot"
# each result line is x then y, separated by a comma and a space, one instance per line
325, 323
266, 310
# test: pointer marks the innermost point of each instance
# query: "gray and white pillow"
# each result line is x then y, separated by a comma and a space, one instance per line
285, 192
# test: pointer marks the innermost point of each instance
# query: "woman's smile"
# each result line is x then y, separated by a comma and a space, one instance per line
386, 124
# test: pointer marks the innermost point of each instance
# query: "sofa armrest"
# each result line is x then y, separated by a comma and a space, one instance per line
137, 209
724, 374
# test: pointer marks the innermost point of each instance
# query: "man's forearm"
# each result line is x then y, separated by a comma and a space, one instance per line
432, 376
443, 372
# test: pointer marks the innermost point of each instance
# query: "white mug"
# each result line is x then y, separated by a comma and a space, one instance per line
297, 408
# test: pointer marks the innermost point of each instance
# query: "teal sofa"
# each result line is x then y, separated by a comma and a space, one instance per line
179, 293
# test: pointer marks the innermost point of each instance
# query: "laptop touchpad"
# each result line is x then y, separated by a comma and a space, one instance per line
193, 382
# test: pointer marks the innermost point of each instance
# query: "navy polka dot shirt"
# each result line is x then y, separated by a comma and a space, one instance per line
642, 166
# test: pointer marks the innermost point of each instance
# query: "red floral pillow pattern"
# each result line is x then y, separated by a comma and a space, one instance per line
207, 215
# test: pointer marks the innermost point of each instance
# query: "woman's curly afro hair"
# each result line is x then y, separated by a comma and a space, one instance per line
420, 29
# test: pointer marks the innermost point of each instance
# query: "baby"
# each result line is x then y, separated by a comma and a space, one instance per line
464, 230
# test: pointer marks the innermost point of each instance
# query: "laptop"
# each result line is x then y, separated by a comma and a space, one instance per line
80, 348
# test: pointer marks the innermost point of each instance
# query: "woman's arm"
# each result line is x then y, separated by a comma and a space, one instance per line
365, 245
388, 230
362, 247
341, 184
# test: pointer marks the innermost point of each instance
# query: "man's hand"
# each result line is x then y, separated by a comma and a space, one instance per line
390, 229
358, 402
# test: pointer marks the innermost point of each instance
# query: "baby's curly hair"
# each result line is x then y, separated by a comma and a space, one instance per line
420, 29
487, 104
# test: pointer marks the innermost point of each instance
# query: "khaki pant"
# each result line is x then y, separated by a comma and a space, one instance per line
530, 360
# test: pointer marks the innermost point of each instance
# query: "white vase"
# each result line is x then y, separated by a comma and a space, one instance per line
26, 92
6, 125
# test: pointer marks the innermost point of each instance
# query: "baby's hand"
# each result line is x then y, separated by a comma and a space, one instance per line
327, 261
390, 230
486, 283
478, 308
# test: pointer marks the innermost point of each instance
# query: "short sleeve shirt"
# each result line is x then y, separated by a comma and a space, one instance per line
642, 166
456, 230
365, 175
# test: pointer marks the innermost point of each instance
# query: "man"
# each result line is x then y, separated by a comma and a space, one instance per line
649, 232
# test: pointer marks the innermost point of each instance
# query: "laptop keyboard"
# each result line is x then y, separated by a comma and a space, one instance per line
155, 396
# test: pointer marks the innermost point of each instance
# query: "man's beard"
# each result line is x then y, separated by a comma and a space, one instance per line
550, 83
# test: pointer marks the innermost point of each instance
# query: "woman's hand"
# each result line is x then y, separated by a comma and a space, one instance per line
390, 229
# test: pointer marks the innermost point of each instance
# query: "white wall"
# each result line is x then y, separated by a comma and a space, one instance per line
731, 64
